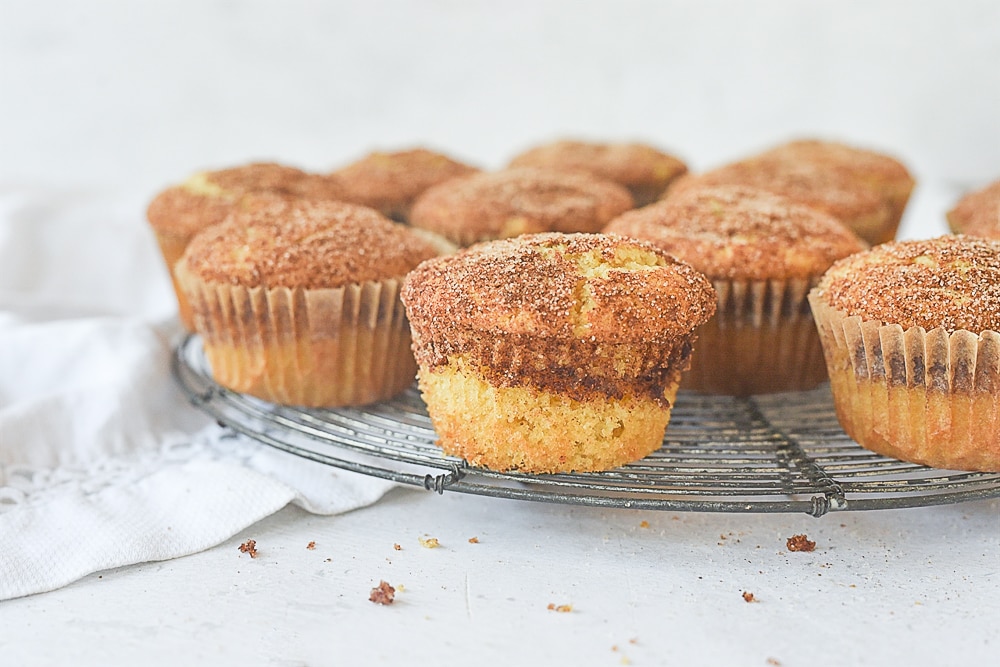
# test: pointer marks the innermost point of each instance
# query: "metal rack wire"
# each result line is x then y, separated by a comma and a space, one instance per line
775, 453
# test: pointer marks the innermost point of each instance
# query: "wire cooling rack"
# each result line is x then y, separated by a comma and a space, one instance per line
774, 453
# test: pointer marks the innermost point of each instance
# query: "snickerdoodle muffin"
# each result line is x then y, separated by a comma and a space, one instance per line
762, 253
522, 200
389, 182
910, 332
978, 213
207, 197
553, 352
643, 169
297, 301
865, 190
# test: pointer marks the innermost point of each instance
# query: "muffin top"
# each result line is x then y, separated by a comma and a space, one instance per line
634, 165
517, 201
978, 213
207, 197
831, 192
390, 181
867, 167
305, 243
950, 281
567, 286
741, 233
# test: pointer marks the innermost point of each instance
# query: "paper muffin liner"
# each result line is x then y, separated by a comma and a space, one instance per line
308, 347
172, 248
929, 397
762, 339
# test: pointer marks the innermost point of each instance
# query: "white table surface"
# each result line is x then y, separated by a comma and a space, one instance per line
118, 95
893, 587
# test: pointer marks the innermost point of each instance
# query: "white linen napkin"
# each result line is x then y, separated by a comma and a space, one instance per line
103, 462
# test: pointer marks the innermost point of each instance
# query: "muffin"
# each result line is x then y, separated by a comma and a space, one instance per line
390, 182
207, 197
763, 253
865, 190
297, 301
978, 213
910, 333
644, 170
523, 200
553, 352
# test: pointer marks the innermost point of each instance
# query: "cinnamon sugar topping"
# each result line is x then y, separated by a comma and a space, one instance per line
519, 201
643, 169
950, 281
528, 310
390, 181
978, 213
304, 243
207, 197
741, 233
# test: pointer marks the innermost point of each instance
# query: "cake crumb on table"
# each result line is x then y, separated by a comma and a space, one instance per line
473, 540
800, 543
311, 546
749, 597
429, 542
397, 547
249, 547
383, 593
560, 607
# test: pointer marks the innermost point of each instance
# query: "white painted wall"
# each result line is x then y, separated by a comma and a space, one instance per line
116, 93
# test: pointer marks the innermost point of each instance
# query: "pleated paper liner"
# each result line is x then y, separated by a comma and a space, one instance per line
306, 347
172, 248
928, 397
761, 340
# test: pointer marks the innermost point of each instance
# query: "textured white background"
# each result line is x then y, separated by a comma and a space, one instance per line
120, 93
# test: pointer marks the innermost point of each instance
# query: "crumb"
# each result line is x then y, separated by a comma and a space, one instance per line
614, 647
100, 576
328, 560
400, 587
722, 537
249, 547
397, 547
429, 542
311, 546
560, 607
774, 662
748, 597
800, 543
634, 640
644, 524
473, 540
383, 593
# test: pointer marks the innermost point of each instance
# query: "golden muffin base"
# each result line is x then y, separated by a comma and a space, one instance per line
527, 429
761, 340
307, 347
928, 397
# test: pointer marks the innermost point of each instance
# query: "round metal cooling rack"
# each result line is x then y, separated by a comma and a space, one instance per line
774, 453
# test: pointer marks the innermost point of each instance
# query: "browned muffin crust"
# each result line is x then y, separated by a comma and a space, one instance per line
950, 281
305, 243
528, 310
741, 233
206, 198
978, 213
863, 189
643, 169
389, 182
882, 172
518, 201
832, 192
